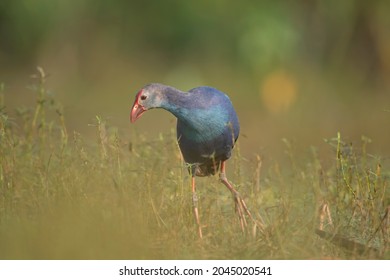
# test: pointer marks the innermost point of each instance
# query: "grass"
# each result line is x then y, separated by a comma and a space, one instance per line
63, 197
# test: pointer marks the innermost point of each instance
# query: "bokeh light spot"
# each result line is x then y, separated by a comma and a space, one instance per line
278, 91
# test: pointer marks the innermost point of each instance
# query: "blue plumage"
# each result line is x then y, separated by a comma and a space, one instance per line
207, 124
207, 129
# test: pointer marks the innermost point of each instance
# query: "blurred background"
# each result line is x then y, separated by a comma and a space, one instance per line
301, 70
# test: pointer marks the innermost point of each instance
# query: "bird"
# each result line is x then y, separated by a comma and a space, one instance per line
207, 130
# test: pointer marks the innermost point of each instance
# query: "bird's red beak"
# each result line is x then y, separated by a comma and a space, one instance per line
137, 110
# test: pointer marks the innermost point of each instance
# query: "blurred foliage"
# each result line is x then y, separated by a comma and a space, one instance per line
62, 197
323, 66
287, 58
255, 35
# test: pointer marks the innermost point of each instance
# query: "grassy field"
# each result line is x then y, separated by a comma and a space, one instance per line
65, 197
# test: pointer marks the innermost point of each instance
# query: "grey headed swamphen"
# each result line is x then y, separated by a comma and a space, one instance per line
207, 129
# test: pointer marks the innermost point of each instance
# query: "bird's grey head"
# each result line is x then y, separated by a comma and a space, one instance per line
150, 96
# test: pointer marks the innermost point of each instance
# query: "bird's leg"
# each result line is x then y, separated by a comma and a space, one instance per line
195, 207
239, 202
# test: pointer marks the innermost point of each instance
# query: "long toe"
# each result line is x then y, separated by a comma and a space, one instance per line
240, 211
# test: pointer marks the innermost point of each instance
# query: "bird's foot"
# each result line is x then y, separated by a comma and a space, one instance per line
240, 205
242, 209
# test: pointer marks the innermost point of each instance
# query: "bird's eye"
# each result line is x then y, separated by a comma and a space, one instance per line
143, 97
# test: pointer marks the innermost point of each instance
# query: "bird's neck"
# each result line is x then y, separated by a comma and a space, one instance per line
194, 120
177, 102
